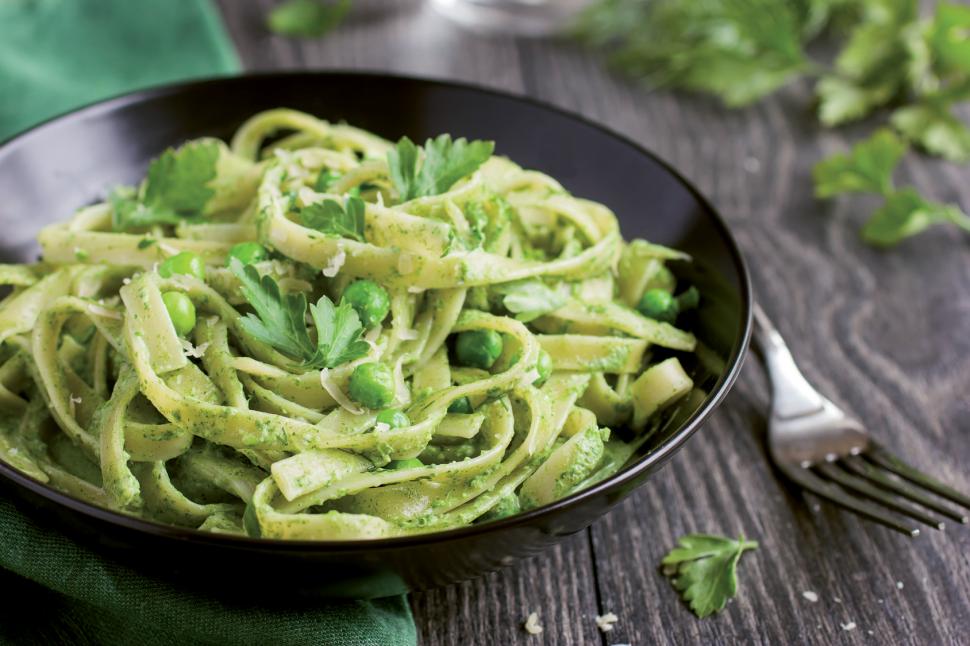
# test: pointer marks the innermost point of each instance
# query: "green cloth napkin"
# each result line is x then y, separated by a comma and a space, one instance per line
56, 55
64, 593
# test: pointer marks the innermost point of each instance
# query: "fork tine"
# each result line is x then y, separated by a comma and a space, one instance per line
887, 460
811, 482
900, 487
860, 486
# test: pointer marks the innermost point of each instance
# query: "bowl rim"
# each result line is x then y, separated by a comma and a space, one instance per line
647, 462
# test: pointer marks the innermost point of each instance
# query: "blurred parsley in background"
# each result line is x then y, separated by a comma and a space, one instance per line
889, 57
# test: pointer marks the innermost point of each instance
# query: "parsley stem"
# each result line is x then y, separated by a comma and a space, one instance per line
959, 218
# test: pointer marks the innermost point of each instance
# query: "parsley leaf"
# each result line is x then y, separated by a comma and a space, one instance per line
935, 130
176, 188
739, 51
704, 570
530, 299
338, 334
867, 168
128, 212
307, 18
178, 179
329, 217
906, 213
872, 67
280, 321
325, 179
445, 162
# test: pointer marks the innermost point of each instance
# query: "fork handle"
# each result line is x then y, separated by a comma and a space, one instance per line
792, 396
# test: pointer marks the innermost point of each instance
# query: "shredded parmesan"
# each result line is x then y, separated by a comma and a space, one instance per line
532, 625
605, 622
381, 427
899, 585
849, 626
335, 263
167, 248
811, 596
126, 281
196, 352
334, 391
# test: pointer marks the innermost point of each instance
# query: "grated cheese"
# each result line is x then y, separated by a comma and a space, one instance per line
605, 622
811, 596
532, 625
849, 626
334, 391
196, 352
335, 263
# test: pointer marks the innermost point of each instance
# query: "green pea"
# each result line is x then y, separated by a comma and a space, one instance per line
369, 300
372, 384
478, 348
180, 310
247, 253
460, 405
658, 305
186, 263
410, 463
393, 418
543, 367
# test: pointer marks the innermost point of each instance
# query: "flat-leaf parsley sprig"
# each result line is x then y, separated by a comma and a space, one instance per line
280, 322
868, 168
444, 163
704, 570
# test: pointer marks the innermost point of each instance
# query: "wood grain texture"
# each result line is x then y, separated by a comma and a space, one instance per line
884, 334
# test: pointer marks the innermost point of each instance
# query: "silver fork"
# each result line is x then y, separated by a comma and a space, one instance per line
829, 453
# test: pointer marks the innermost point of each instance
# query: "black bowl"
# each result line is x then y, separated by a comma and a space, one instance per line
72, 160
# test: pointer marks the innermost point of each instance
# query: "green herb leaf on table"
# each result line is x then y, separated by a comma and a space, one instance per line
868, 168
704, 570
307, 18
905, 214
280, 322
738, 51
329, 217
934, 129
445, 162
530, 299
873, 66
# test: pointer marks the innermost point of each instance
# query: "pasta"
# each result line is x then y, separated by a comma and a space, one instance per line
473, 334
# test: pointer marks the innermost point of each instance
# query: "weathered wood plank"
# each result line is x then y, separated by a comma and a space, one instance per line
884, 334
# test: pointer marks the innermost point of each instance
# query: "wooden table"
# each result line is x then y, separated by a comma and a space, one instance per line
885, 334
